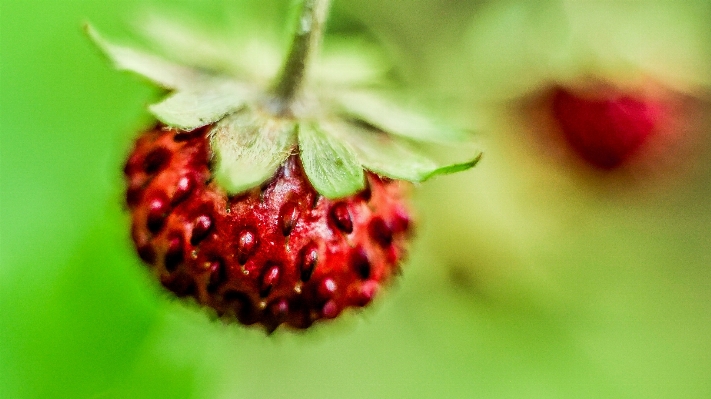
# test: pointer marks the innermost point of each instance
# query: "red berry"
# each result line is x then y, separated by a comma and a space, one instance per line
280, 253
607, 128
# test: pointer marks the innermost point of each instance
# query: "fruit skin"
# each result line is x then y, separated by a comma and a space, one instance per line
279, 253
608, 127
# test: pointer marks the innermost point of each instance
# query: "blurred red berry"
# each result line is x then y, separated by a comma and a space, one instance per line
606, 128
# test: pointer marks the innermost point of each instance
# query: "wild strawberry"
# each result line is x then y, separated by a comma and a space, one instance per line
280, 252
273, 206
606, 128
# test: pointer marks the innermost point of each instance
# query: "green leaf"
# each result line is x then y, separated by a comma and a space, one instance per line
348, 62
330, 165
456, 167
249, 148
344, 61
162, 72
188, 43
202, 104
394, 119
257, 57
392, 156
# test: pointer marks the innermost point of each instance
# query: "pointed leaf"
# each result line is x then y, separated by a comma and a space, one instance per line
194, 45
154, 68
249, 148
330, 165
393, 119
456, 167
348, 62
189, 44
202, 104
391, 156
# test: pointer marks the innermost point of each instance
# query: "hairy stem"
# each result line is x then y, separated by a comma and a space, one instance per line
307, 38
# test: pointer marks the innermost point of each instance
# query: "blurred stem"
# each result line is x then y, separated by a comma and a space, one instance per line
307, 38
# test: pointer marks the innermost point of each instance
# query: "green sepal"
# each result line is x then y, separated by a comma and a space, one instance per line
455, 167
391, 156
156, 69
393, 119
249, 143
202, 104
255, 59
343, 62
249, 147
331, 166
349, 63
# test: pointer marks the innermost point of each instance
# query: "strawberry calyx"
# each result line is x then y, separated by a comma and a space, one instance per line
339, 134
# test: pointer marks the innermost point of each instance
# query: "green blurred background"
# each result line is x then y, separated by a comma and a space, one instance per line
532, 276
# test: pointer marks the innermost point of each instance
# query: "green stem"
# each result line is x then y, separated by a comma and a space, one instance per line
307, 38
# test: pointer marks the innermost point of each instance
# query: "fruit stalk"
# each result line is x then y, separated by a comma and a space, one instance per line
307, 37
